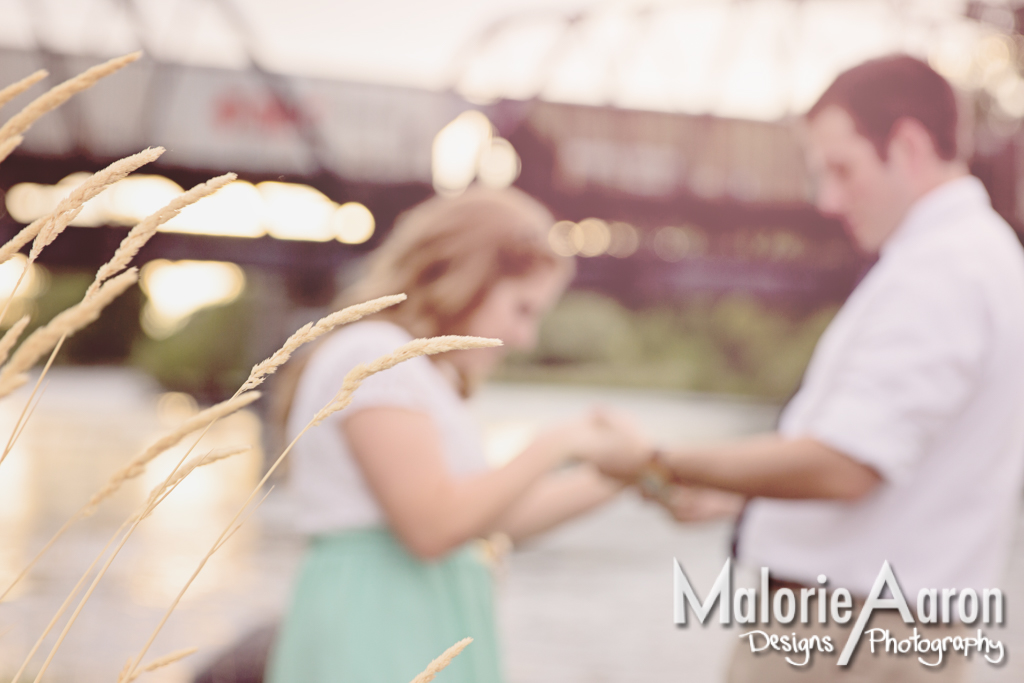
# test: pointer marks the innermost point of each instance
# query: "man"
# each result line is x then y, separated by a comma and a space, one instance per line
905, 442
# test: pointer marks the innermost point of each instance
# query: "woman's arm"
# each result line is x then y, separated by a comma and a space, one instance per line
432, 512
556, 498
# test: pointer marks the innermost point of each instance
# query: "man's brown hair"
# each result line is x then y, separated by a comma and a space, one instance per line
878, 93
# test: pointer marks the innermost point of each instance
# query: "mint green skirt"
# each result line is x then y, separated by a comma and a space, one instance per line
366, 611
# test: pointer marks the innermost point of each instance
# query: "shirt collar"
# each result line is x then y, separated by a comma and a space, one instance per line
936, 207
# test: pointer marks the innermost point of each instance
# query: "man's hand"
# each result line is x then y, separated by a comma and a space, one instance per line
695, 504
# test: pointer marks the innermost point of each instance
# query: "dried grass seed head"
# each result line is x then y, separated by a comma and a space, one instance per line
64, 324
18, 87
148, 226
69, 207
137, 465
407, 351
311, 331
61, 93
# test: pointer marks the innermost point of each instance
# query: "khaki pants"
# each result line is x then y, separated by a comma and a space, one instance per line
770, 666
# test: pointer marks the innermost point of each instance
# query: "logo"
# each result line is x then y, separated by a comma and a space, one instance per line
821, 604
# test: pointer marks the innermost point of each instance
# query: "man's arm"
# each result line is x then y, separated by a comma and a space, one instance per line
774, 467
768, 466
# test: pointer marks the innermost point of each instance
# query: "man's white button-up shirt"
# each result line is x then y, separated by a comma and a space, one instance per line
920, 376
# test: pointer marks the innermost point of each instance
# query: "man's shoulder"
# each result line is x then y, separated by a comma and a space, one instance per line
977, 245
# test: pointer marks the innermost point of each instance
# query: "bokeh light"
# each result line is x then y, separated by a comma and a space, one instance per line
499, 164
11, 271
560, 237
177, 289
352, 223
592, 236
28, 201
236, 210
674, 243
297, 212
174, 407
134, 198
456, 151
624, 240
769, 245
287, 211
466, 150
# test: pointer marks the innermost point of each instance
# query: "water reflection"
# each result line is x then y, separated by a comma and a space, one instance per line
88, 424
17, 505
191, 518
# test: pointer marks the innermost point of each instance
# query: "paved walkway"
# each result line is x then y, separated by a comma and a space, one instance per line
588, 603
592, 602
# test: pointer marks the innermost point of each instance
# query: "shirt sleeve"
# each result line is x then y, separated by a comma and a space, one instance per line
401, 386
911, 366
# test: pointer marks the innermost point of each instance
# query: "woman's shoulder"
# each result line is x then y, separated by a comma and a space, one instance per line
410, 384
365, 336
361, 342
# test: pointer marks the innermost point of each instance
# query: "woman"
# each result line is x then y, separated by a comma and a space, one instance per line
395, 487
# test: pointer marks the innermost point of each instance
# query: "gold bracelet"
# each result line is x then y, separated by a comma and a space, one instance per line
655, 479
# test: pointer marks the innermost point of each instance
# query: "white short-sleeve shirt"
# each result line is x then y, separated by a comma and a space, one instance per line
327, 485
921, 376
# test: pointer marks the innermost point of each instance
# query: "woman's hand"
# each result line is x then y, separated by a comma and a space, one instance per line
610, 441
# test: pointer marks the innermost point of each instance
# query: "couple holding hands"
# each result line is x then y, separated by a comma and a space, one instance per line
908, 429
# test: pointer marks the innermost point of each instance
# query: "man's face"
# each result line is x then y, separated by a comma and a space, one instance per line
854, 184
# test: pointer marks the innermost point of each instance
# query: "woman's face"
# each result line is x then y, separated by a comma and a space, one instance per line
511, 312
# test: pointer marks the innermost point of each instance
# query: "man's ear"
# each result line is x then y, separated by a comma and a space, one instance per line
910, 144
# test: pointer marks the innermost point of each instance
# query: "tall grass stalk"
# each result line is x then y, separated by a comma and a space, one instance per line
18, 87
353, 379
12, 374
257, 375
58, 95
137, 465
126, 251
43, 231
439, 664
109, 283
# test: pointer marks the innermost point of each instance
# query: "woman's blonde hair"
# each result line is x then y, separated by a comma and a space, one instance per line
448, 252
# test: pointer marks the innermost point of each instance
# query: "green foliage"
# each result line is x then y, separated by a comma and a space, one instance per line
207, 357
108, 340
588, 328
733, 344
